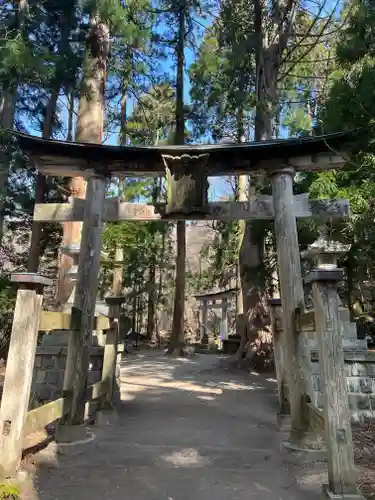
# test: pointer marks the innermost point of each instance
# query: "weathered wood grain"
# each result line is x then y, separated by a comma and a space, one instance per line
305, 319
110, 349
51, 320
341, 470
187, 184
98, 390
109, 362
84, 302
18, 377
259, 208
316, 418
31, 279
40, 417
279, 352
241, 163
291, 292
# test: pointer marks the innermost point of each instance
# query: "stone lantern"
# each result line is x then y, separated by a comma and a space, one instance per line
325, 254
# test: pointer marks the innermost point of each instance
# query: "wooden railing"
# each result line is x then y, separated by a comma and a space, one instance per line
50, 321
39, 418
16, 421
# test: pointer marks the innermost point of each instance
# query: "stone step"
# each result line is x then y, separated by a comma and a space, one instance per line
349, 344
355, 384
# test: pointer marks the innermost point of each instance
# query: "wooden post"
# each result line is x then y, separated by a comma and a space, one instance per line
118, 271
291, 291
20, 366
83, 310
338, 433
224, 318
279, 353
110, 350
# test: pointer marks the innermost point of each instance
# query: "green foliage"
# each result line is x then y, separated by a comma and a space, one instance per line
222, 90
144, 244
350, 105
9, 491
153, 117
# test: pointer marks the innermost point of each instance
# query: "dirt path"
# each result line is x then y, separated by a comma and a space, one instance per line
187, 430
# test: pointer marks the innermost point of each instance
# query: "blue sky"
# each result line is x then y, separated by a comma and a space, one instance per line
219, 186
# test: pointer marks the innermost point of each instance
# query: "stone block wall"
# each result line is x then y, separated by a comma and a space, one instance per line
50, 363
359, 365
360, 379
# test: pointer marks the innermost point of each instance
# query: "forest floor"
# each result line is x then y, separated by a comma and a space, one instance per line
187, 428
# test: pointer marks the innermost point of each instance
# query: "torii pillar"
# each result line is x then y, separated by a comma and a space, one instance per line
292, 296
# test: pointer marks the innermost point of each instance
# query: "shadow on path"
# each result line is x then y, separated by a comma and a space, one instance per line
187, 429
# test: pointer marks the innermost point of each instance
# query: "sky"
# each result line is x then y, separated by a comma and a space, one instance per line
218, 186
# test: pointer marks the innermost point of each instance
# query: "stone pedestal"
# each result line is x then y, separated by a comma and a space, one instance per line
325, 254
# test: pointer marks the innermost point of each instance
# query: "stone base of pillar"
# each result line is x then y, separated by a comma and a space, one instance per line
308, 442
284, 422
71, 433
105, 418
298, 455
328, 495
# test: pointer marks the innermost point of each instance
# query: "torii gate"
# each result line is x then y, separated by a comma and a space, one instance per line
187, 169
212, 301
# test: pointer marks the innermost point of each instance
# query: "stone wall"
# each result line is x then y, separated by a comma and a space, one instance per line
359, 365
360, 379
50, 363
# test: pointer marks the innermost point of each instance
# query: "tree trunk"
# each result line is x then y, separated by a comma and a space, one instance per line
69, 135
251, 257
40, 187
178, 334
7, 114
123, 128
89, 129
117, 271
151, 300
134, 308
240, 313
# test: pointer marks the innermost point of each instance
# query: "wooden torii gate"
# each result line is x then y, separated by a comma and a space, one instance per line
187, 169
212, 301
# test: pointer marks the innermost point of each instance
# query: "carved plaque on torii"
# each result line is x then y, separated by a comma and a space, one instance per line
187, 184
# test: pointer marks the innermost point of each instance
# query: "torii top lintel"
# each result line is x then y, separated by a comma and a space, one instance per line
70, 159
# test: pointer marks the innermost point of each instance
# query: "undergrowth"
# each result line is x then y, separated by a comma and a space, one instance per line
9, 492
